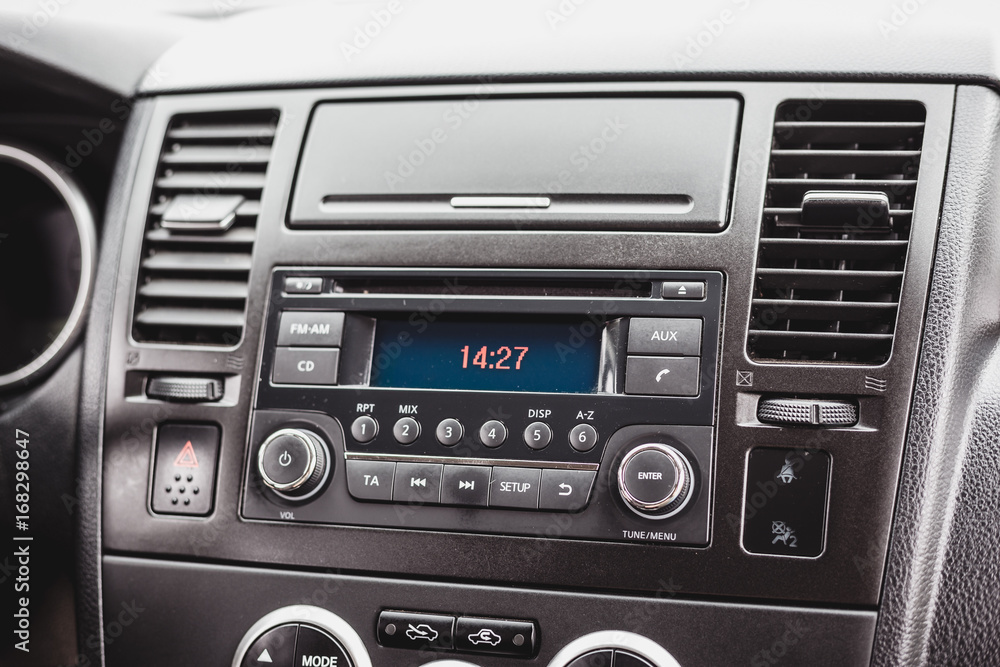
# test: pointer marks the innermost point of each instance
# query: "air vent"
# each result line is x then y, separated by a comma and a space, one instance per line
835, 228
201, 228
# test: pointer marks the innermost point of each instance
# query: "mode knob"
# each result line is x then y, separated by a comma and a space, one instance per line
294, 463
655, 480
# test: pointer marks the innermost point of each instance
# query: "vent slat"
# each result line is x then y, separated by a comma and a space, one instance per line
793, 189
164, 288
247, 209
843, 161
833, 311
829, 292
199, 155
818, 340
828, 279
210, 181
168, 260
201, 318
193, 278
791, 249
235, 235
241, 132
834, 132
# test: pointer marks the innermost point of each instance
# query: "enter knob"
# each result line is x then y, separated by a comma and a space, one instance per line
293, 462
655, 480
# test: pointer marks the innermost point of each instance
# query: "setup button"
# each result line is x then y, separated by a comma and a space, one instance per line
515, 487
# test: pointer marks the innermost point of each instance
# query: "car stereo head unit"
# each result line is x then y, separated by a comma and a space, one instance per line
555, 403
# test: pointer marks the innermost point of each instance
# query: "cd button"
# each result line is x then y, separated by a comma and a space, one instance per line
466, 485
302, 365
583, 437
364, 429
538, 435
515, 487
406, 430
493, 433
449, 432
417, 483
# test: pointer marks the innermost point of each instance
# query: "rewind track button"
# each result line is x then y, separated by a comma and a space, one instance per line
417, 483
466, 485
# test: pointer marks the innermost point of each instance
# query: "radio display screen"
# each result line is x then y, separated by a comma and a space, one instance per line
486, 354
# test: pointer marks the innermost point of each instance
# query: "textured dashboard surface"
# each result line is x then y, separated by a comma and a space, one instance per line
450, 40
942, 583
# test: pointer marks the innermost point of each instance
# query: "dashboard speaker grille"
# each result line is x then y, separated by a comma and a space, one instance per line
834, 231
201, 227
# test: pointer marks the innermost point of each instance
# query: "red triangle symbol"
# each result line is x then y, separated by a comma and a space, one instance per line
187, 459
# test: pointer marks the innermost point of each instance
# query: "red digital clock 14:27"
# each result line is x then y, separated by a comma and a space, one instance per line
503, 354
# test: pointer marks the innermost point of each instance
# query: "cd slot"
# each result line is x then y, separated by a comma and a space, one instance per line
623, 288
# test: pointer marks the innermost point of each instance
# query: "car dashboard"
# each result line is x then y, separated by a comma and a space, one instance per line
453, 334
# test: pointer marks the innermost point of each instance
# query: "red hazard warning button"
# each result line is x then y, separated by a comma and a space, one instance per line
184, 473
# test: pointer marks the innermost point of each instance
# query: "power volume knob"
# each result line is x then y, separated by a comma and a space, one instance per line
294, 463
655, 480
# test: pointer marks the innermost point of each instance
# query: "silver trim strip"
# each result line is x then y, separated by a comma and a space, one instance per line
455, 460
683, 482
500, 202
614, 639
76, 201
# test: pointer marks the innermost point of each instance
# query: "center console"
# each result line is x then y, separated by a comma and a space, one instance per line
557, 374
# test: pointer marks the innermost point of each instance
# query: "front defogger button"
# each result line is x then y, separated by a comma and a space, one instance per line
655, 480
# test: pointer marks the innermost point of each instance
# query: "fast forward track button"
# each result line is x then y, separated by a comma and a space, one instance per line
466, 485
